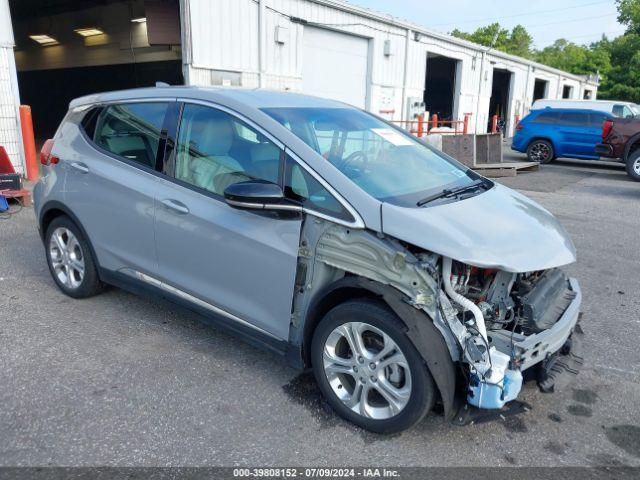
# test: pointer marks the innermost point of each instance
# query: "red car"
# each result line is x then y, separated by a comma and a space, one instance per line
621, 140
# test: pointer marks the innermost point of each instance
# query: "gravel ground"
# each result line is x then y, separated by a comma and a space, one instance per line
121, 380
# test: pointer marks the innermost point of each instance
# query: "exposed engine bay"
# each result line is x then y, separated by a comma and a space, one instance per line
501, 309
495, 323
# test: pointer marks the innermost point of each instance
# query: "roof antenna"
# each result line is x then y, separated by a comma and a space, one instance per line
162, 84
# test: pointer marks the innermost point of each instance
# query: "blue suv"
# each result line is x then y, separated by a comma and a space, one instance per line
559, 132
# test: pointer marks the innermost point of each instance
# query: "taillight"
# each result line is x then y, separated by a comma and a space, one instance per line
45, 154
519, 126
606, 129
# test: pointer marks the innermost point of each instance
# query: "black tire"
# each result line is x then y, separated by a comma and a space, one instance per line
540, 151
422, 396
90, 283
633, 165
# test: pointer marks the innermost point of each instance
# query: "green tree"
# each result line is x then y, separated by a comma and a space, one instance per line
577, 59
517, 41
622, 81
617, 60
629, 14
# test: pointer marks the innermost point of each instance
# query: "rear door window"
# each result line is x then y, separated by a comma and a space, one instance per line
574, 119
132, 131
546, 117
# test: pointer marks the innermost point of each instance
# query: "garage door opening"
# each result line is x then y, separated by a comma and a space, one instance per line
335, 65
441, 86
567, 91
540, 89
69, 48
500, 95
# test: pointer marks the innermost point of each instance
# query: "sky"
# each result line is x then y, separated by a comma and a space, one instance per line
580, 21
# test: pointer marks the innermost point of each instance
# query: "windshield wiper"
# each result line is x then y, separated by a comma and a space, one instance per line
453, 192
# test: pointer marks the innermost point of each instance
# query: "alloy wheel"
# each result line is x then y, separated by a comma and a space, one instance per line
367, 370
540, 152
636, 166
66, 257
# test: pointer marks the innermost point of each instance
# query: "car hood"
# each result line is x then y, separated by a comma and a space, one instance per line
499, 228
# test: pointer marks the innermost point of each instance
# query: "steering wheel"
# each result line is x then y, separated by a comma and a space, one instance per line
355, 155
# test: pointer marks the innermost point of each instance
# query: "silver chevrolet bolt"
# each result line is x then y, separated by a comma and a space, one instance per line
321, 232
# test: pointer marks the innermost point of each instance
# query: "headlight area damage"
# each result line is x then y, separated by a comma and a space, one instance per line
478, 329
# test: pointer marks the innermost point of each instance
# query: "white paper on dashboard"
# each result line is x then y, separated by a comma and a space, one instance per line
392, 136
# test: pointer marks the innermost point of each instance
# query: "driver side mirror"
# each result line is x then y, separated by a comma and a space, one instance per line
258, 195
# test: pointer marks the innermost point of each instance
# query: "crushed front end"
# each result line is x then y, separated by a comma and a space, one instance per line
508, 323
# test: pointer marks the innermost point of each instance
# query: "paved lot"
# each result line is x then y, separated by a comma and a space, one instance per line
121, 380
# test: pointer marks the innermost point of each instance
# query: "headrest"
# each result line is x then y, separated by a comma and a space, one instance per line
265, 152
211, 134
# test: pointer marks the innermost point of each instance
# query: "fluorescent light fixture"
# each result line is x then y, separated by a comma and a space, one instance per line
88, 32
139, 20
43, 39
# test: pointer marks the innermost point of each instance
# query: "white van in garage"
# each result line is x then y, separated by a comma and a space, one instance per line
619, 109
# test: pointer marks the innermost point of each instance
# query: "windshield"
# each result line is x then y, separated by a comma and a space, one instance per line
388, 164
635, 108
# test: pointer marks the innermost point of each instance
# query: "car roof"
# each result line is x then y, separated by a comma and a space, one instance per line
258, 98
582, 100
563, 109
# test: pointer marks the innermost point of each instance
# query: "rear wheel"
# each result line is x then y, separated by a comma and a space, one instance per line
633, 165
70, 260
540, 151
369, 370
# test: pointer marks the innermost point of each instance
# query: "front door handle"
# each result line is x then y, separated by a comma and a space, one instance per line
81, 167
176, 206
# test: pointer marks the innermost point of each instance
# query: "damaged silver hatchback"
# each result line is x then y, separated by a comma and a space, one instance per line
401, 277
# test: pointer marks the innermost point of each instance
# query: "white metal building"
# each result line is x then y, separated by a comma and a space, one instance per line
322, 47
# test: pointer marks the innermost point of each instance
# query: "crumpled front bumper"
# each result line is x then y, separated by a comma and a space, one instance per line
538, 347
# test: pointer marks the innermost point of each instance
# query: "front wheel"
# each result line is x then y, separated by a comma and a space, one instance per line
540, 151
368, 369
633, 165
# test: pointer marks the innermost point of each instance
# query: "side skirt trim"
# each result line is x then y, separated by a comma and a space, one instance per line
240, 330
190, 298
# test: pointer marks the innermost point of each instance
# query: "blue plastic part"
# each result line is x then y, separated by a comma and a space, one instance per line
494, 395
4, 205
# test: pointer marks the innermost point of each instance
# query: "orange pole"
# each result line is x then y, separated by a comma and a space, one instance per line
465, 127
420, 125
434, 120
29, 143
494, 124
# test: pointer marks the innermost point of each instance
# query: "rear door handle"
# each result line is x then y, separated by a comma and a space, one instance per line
81, 167
176, 206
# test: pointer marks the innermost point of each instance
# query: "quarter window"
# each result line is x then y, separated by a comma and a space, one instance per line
597, 119
215, 150
132, 131
89, 121
546, 117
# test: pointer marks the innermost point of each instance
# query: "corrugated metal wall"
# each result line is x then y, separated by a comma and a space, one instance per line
10, 137
233, 43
